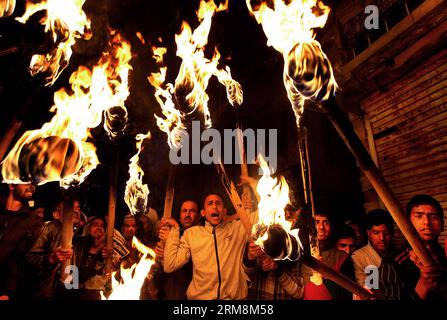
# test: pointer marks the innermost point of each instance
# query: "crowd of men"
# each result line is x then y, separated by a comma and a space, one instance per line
205, 254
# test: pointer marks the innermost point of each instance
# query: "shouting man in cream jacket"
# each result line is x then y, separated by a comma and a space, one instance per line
216, 250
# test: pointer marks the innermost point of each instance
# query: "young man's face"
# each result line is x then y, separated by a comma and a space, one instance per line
427, 222
380, 238
213, 209
22, 192
323, 226
347, 245
189, 214
129, 228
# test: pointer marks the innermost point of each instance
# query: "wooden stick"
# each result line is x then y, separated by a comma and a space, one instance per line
307, 186
169, 201
344, 127
244, 167
8, 51
111, 214
9, 135
234, 197
66, 233
170, 189
338, 278
308, 198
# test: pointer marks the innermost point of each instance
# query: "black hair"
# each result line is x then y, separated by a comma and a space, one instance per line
325, 214
378, 217
422, 199
207, 194
93, 218
344, 231
186, 199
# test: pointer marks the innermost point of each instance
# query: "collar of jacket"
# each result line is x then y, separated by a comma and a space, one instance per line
209, 227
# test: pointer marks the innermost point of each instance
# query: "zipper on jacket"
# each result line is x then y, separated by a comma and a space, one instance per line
218, 264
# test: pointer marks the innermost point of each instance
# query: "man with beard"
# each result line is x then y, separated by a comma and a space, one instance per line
45, 257
18, 230
175, 284
89, 255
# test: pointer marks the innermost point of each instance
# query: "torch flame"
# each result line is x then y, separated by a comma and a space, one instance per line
60, 150
274, 196
189, 90
132, 279
67, 22
7, 7
289, 28
136, 192
110, 84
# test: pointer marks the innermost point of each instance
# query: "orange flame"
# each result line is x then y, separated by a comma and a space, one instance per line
274, 196
140, 37
60, 150
136, 192
132, 279
110, 83
189, 90
289, 28
7, 7
67, 22
172, 125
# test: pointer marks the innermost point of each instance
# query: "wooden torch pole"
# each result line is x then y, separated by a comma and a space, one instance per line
243, 158
230, 188
170, 190
66, 234
307, 186
111, 216
344, 127
169, 200
9, 135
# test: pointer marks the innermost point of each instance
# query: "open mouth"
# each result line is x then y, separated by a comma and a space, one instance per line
214, 215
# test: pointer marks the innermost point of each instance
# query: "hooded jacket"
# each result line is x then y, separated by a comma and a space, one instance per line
216, 254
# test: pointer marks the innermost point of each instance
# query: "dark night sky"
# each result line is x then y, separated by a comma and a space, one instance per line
242, 45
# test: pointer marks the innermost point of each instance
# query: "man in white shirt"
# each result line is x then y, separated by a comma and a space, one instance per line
380, 229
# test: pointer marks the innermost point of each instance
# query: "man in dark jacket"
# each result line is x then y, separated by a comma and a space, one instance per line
19, 229
46, 255
424, 282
